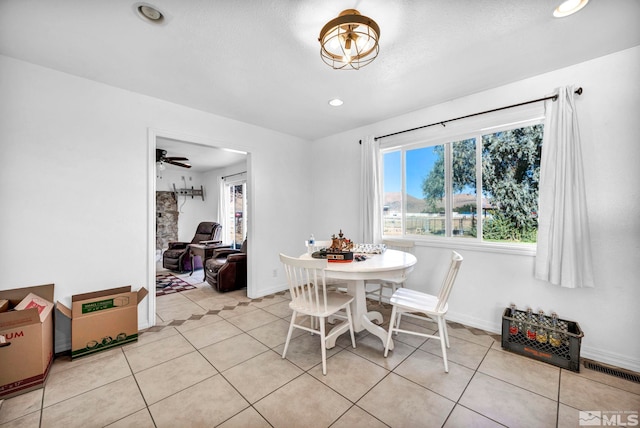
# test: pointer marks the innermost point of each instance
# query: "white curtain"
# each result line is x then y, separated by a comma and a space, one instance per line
370, 191
564, 245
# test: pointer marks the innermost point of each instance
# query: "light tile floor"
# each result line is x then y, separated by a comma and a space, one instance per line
214, 360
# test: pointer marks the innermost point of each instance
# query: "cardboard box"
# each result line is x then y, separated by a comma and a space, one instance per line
26, 339
103, 319
32, 300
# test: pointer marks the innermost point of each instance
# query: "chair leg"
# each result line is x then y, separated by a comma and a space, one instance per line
380, 293
312, 322
286, 344
446, 333
443, 345
391, 329
399, 316
350, 321
323, 345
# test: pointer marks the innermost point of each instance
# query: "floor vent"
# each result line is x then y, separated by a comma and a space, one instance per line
613, 371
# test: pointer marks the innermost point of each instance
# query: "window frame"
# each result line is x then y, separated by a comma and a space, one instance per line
453, 132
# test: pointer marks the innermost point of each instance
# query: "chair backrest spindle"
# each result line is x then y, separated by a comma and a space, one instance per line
449, 279
307, 283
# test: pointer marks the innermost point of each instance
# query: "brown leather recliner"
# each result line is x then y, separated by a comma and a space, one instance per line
227, 269
176, 257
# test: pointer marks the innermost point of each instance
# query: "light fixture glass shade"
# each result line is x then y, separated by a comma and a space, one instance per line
349, 41
569, 7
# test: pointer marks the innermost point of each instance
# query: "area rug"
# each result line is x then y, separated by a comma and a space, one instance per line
168, 283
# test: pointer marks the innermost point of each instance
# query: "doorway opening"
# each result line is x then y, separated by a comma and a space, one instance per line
175, 209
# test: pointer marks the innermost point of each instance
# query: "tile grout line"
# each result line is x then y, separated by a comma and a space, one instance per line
353, 404
558, 400
219, 372
467, 386
144, 399
307, 371
472, 330
456, 403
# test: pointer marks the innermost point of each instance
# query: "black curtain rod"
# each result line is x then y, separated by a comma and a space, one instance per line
442, 122
237, 173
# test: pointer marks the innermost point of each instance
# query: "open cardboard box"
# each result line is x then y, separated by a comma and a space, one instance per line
26, 339
103, 319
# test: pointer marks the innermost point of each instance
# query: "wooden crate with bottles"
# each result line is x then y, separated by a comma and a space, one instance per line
544, 338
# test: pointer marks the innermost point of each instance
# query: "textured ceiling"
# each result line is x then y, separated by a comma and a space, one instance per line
259, 62
201, 158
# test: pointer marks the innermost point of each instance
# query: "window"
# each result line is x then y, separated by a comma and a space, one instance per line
235, 212
482, 187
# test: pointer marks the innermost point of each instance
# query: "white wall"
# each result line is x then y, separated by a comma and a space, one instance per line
191, 211
67, 218
488, 282
75, 181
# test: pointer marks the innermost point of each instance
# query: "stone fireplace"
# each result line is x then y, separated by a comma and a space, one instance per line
166, 219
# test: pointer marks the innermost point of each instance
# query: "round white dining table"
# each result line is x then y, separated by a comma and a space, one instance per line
391, 264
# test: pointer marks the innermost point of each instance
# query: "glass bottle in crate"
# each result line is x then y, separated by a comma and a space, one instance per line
531, 325
514, 327
541, 332
555, 337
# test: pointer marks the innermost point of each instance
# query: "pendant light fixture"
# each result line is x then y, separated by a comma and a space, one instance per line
349, 41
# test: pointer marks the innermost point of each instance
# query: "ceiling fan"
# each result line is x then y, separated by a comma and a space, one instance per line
173, 160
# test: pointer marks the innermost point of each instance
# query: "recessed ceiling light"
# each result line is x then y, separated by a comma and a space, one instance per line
336, 102
149, 13
569, 7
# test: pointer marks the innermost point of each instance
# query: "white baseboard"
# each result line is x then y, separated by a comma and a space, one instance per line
599, 355
491, 327
610, 358
272, 290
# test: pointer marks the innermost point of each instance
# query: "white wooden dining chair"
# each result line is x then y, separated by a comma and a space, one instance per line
311, 299
374, 287
420, 305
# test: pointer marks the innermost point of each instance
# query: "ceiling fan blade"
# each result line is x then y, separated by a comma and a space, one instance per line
172, 162
176, 158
